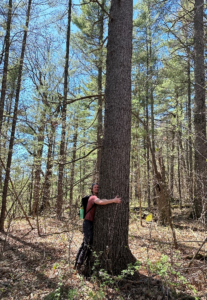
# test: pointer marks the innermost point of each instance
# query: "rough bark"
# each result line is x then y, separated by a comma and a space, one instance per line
199, 109
100, 98
112, 221
11, 142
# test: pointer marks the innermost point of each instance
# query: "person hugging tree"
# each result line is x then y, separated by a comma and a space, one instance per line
85, 248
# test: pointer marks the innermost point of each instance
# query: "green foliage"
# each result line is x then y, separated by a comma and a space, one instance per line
73, 294
166, 271
98, 295
130, 270
56, 295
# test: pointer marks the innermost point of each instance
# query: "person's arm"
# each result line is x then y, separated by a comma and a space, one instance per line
105, 201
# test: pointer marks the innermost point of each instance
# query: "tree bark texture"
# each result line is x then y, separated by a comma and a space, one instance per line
100, 114
112, 221
199, 109
11, 142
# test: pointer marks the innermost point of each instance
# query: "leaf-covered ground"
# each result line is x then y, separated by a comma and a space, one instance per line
34, 267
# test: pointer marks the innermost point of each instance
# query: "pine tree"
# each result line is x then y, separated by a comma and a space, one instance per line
111, 223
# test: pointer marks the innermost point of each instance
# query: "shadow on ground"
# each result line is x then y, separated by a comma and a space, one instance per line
24, 265
139, 287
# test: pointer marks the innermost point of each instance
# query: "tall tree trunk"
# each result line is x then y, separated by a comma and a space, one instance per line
100, 71
179, 175
83, 168
72, 173
37, 165
172, 165
199, 110
30, 194
190, 146
138, 192
4, 78
11, 143
147, 123
48, 175
6, 63
164, 210
152, 124
179, 148
64, 110
112, 221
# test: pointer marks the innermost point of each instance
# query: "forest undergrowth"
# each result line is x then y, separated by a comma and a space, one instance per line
41, 267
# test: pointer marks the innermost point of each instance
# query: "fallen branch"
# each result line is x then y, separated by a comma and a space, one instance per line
197, 253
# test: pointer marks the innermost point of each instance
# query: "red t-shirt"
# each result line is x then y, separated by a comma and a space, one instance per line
90, 215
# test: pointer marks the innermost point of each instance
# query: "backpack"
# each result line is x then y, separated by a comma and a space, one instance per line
84, 203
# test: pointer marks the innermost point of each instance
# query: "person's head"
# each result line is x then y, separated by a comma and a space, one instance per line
94, 189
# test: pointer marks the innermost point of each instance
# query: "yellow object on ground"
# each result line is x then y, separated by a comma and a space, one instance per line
149, 218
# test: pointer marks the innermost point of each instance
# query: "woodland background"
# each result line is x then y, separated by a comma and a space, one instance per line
52, 69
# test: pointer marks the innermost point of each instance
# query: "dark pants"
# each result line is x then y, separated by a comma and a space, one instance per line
85, 247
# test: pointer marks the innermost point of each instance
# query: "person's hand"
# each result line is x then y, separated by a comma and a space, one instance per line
117, 199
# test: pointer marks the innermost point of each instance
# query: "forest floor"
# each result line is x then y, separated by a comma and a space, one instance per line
41, 267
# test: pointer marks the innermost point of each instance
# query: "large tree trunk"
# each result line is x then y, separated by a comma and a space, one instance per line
112, 221
6, 63
199, 110
64, 110
100, 71
11, 142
